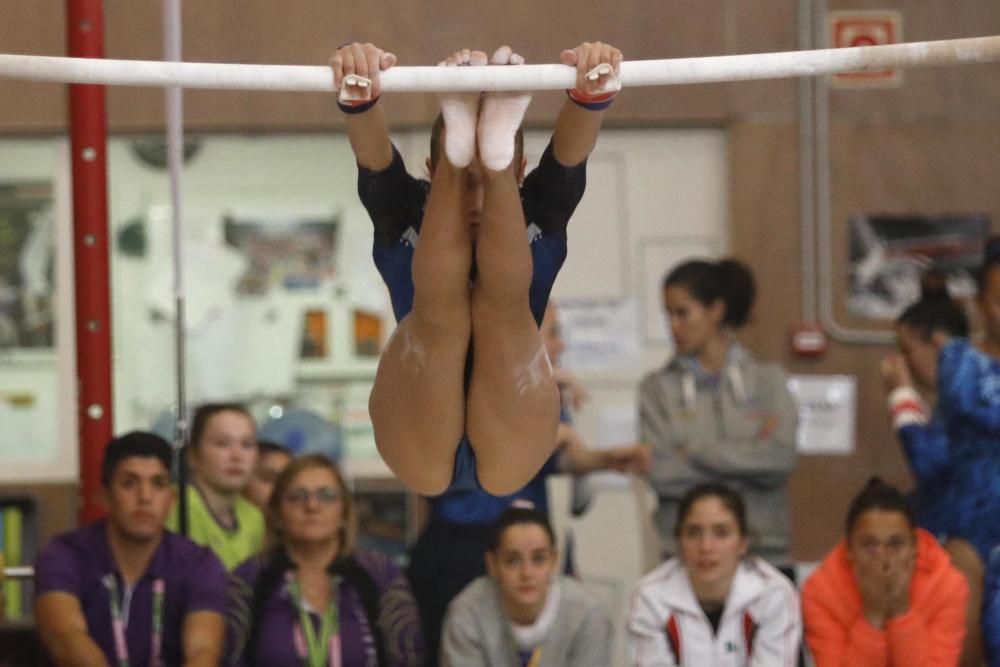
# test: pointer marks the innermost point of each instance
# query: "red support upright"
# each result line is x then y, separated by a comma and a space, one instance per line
88, 142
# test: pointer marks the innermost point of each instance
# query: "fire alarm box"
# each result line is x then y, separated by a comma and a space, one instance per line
808, 340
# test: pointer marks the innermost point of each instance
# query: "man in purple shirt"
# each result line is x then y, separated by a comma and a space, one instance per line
125, 591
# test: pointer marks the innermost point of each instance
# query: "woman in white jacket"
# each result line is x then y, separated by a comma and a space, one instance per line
713, 605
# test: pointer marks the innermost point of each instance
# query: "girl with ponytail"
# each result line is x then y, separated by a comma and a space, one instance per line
967, 380
922, 332
713, 413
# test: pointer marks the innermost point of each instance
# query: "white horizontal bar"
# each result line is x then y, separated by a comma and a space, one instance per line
527, 77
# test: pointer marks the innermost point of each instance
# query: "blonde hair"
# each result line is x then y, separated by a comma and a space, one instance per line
349, 523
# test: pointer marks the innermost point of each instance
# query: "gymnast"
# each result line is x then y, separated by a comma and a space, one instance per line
464, 395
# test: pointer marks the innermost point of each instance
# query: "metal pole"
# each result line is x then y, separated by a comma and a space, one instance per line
88, 142
172, 40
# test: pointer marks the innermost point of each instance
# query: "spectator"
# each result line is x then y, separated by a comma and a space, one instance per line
448, 554
222, 455
272, 458
968, 385
124, 590
714, 413
523, 613
713, 605
315, 590
887, 594
921, 332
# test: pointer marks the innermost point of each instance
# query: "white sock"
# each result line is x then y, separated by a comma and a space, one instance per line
500, 118
461, 112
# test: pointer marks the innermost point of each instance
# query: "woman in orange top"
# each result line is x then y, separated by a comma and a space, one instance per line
887, 594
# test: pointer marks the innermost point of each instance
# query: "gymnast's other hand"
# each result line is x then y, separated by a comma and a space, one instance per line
585, 58
365, 60
636, 459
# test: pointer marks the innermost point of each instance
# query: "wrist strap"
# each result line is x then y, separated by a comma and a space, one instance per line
906, 407
591, 102
357, 107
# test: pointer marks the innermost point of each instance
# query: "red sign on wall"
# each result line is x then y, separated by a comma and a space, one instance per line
865, 28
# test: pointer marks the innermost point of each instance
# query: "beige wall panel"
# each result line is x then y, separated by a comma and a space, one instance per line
764, 227
31, 27
765, 234
968, 90
763, 27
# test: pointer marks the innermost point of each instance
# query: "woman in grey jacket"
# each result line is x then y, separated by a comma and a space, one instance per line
524, 614
714, 413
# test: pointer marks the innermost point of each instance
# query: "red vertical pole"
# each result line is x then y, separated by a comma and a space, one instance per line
88, 142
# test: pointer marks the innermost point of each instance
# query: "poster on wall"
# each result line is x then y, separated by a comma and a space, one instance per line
293, 253
889, 253
827, 406
599, 334
27, 259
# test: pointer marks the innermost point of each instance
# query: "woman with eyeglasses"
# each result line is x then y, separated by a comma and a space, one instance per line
314, 598
887, 594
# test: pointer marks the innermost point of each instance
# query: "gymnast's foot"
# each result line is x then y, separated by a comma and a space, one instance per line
460, 111
500, 118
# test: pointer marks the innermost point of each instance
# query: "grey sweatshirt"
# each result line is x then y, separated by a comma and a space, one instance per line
477, 633
715, 430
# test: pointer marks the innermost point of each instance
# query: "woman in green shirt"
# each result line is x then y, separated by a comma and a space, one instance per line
221, 458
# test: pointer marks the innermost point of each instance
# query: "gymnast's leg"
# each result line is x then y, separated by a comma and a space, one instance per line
418, 402
513, 401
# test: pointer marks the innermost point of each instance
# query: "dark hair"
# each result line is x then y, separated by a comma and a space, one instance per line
265, 447
936, 310
438, 129
729, 498
518, 515
991, 260
203, 415
135, 443
728, 279
877, 495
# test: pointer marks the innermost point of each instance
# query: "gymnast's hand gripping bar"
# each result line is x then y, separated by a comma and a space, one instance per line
527, 77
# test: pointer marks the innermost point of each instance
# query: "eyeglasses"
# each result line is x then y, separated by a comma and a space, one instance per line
326, 495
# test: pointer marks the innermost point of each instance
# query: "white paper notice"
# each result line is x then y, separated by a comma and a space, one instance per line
827, 413
600, 335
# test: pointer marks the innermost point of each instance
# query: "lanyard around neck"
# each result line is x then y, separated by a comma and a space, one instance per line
118, 622
324, 649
